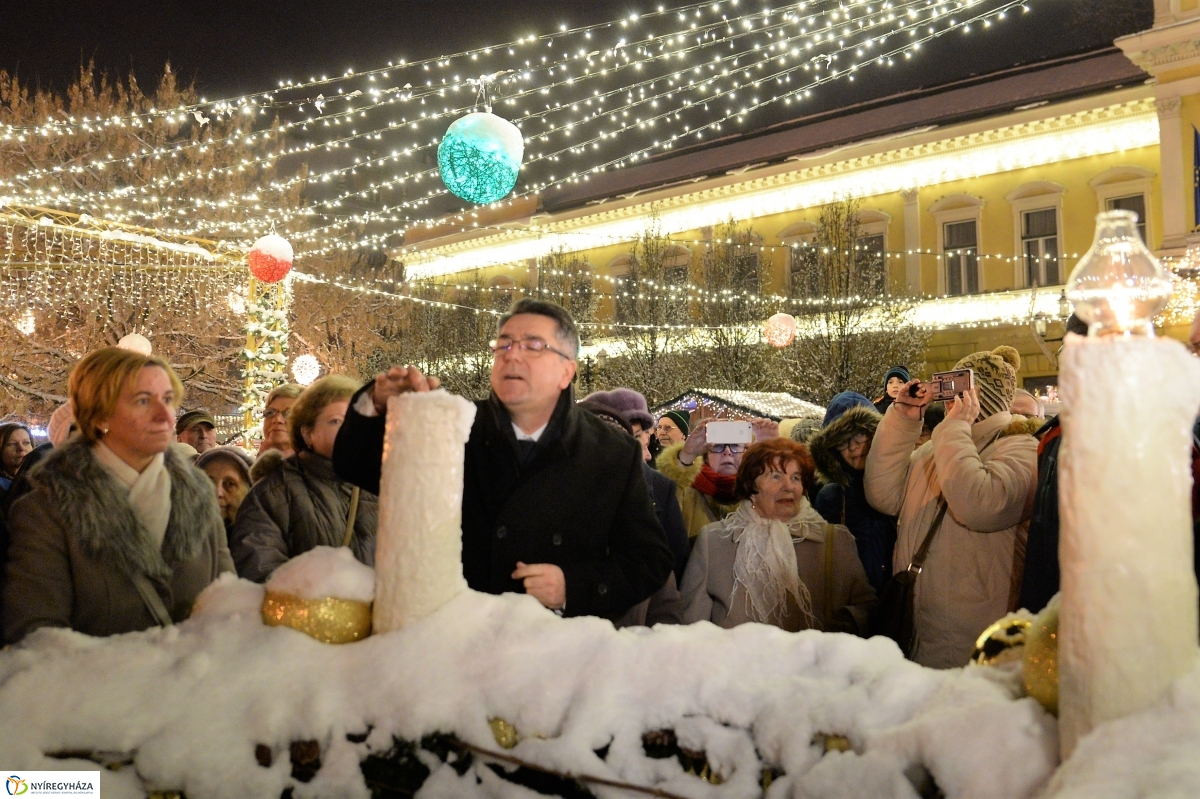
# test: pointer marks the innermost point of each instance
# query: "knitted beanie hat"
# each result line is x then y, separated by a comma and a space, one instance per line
995, 377
844, 402
896, 371
682, 420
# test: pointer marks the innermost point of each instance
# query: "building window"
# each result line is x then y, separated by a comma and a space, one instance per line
1135, 203
961, 248
1039, 245
623, 299
871, 263
746, 272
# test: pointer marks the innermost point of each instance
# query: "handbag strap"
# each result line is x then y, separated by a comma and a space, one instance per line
829, 533
153, 602
351, 516
918, 561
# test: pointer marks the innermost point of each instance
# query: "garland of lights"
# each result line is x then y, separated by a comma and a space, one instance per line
815, 44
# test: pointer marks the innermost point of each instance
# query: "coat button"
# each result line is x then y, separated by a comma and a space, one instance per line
602, 589
557, 540
501, 531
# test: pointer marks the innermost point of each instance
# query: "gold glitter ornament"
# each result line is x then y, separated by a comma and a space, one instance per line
504, 733
331, 620
1002, 642
1040, 669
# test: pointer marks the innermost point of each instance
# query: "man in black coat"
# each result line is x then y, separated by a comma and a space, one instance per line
554, 501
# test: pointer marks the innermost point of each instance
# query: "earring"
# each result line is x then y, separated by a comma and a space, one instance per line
104, 431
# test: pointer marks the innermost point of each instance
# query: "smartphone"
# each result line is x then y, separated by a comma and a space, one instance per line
949, 385
730, 433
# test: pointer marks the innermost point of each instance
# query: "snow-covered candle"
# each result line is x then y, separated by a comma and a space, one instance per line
418, 544
1128, 617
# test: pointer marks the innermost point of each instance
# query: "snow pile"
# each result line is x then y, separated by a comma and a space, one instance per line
324, 572
190, 704
1154, 753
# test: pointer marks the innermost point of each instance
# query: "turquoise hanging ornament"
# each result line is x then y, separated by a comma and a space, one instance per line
480, 155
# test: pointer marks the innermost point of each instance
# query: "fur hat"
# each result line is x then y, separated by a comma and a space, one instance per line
824, 443
628, 402
606, 413
995, 377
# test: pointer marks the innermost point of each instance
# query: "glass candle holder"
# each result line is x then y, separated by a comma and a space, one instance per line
1118, 286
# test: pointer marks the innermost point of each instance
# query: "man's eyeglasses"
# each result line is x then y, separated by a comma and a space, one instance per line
272, 413
732, 449
533, 346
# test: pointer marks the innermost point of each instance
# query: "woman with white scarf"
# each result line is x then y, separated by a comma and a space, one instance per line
119, 533
775, 560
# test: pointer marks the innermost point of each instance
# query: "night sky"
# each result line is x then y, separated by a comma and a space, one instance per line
232, 47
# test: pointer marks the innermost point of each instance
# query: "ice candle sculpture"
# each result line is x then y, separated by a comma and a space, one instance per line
418, 542
1128, 618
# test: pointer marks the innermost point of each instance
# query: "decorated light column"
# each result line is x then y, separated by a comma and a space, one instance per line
1128, 617
268, 302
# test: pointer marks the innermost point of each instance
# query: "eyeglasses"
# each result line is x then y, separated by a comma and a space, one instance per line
858, 442
732, 449
271, 413
533, 346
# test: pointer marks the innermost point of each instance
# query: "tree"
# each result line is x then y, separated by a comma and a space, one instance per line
731, 353
851, 329
77, 290
651, 325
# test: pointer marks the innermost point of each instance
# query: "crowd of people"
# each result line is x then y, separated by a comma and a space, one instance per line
594, 507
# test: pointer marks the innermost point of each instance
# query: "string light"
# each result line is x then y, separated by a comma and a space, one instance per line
754, 40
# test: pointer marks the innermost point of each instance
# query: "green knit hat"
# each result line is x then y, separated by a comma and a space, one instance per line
681, 420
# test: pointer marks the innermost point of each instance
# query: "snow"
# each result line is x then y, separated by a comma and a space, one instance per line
324, 572
191, 702
275, 246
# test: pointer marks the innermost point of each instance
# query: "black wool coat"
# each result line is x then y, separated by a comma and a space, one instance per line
580, 502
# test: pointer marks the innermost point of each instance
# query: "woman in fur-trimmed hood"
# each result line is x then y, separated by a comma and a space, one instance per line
119, 532
840, 452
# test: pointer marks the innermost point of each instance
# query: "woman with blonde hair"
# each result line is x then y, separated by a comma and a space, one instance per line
300, 503
118, 533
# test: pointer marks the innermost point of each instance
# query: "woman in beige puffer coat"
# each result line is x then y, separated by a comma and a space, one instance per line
983, 461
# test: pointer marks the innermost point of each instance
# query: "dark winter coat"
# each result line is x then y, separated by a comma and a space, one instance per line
579, 502
842, 499
1040, 581
74, 542
666, 507
299, 505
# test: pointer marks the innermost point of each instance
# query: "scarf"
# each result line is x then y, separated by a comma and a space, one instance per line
718, 486
149, 491
765, 571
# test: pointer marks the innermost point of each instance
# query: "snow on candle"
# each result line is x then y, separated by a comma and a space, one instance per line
418, 545
1128, 621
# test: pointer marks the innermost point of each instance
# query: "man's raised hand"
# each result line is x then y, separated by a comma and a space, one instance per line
398, 380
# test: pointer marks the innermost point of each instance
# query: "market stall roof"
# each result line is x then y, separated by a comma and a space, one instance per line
774, 405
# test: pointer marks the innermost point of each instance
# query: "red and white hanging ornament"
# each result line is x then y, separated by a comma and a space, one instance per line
270, 258
780, 330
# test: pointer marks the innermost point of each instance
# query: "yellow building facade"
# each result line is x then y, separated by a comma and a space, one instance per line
982, 216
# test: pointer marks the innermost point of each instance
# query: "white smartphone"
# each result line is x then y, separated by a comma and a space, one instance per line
730, 433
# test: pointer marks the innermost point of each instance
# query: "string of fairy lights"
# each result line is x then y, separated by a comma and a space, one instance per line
703, 59
375, 186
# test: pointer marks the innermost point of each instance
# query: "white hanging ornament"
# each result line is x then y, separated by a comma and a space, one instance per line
306, 369
780, 330
270, 258
136, 342
480, 155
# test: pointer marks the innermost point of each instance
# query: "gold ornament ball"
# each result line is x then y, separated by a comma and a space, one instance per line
332, 620
1002, 642
1040, 669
